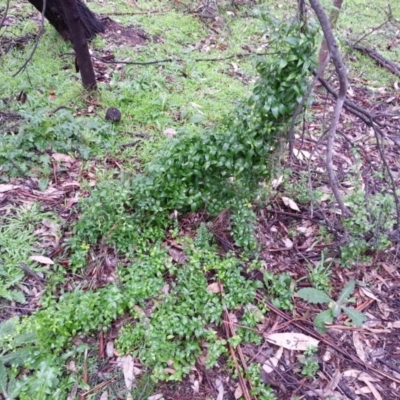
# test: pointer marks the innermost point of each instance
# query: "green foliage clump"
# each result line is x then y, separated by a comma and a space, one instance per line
28, 152
309, 362
17, 244
281, 287
186, 315
368, 226
214, 169
175, 308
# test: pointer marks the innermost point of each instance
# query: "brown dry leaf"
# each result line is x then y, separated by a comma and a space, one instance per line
270, 365
110, 349
358, 346
60, 157
215, 287
292, 340
277, 182
177, 255
238, 392
389, 269
357, 374
367, 292
6, 188
128, 371
156, 397
337, 376
220, 387
290, 203
395, 324
104, 395
72, 366
371, 387
42, 260
169, 133
169, 370
288, 243
196, 386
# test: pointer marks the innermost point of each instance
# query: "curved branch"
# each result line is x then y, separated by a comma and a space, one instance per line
343, 85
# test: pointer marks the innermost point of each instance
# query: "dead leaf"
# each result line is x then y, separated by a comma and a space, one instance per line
358, 346
277, 182
127, 369
104, 395
177, 255
196, 386
238, 392
42, 260
215, 287
367, 292
6, 188
60, 157
110, 349
156, 397
290, 203
169, 133
396, 324
372, 388
270, 365
220, 387
333, 383
292, 340
357, 374
288, 243
302, 155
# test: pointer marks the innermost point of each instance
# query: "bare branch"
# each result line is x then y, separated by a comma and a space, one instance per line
28, 60
343, 85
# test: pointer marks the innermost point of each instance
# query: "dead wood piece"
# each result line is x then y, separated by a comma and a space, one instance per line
379, 59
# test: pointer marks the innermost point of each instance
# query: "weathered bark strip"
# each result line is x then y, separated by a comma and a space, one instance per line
379, 59
55, 15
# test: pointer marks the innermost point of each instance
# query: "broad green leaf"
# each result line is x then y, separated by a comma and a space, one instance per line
17, 357
18, 296
314, 296
275, 111
8, 327
357, 317
346, 292
3, 379
323, 318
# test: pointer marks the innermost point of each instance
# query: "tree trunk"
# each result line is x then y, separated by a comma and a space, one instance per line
78, 39
323, 56
55, 14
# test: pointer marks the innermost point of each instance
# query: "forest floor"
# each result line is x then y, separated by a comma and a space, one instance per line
56, 150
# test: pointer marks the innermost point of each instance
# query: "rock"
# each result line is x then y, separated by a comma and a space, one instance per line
113, 115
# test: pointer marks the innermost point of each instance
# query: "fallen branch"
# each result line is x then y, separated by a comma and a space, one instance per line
378, 58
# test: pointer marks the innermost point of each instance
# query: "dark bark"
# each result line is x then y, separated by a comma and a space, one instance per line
56, 16
78, 39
